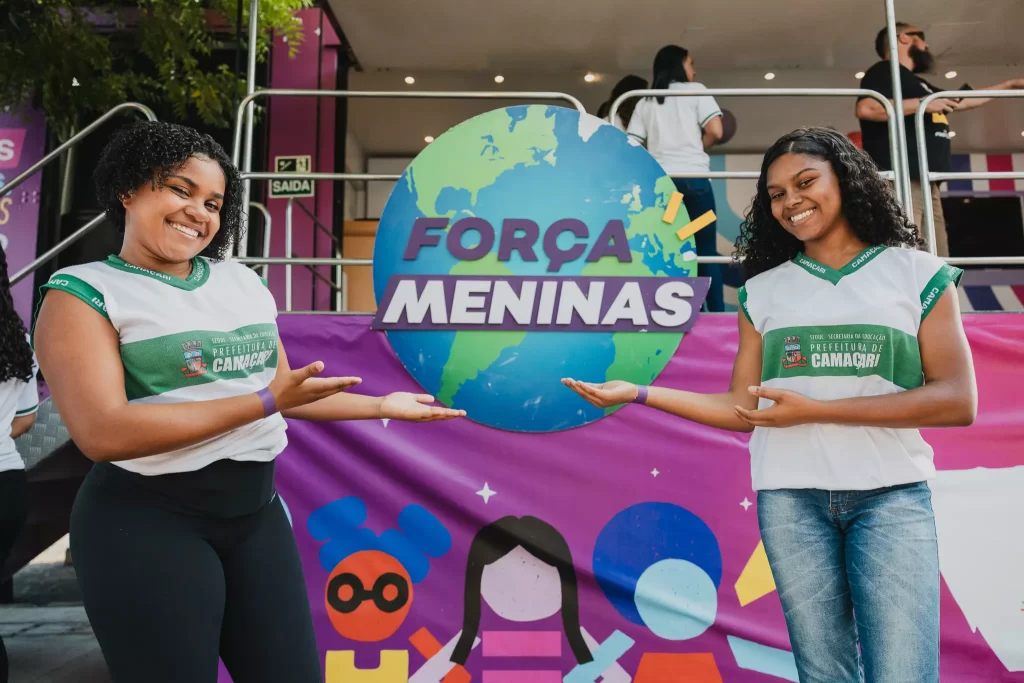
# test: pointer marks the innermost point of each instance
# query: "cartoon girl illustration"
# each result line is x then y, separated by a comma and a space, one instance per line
520, 566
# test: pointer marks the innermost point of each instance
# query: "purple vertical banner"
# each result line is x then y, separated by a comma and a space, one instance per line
22, 143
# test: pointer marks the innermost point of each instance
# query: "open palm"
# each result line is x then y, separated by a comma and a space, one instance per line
603, 395
403, 405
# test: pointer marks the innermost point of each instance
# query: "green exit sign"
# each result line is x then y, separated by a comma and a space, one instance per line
287, 187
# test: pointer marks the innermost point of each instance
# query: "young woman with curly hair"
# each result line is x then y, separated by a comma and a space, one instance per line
165, 364
850, 340
19, 401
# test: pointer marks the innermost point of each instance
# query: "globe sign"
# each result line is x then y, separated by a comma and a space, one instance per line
529, 244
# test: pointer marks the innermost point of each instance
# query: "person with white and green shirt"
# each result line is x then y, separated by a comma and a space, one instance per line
166, 366
850, 340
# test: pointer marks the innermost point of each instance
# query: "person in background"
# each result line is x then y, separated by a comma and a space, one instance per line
19, 401
625, 112
914, 58
678, 131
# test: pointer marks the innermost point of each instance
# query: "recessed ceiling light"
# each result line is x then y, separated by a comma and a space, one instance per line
859, 75
950, 74
590, 78
769, 76
410, 80
429, 138
499, 79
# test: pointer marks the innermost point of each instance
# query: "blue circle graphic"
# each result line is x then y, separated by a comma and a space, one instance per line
676, 599
542, 164
645, 534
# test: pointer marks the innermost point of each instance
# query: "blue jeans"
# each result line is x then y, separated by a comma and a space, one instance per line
856, 568
698, 200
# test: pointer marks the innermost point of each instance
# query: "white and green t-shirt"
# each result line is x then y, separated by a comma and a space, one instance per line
17, 399
833, 334
212, 335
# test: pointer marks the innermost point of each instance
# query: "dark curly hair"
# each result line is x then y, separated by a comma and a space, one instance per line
15, 352
149, 152
868, 202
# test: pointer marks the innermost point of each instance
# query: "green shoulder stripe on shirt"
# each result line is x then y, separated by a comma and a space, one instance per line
27, 411
711, 116
265, 283
741, 294
79, 288
946, 275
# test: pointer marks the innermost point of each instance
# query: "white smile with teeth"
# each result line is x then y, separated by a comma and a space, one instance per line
191, 232
801, 217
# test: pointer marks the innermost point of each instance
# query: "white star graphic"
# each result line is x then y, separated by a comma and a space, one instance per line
655, 472
385, 420
745, 504
486, 492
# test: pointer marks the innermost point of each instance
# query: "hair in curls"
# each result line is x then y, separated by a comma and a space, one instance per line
149, 152
15, 352
868, 202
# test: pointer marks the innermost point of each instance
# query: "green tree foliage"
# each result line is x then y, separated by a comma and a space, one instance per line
76, 62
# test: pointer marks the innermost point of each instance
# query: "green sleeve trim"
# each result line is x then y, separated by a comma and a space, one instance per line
27, 411
946, 276
79, 288
711, 116
265, 283
741, 293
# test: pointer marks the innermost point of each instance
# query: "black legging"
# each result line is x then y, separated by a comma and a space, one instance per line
13, 510
179, 569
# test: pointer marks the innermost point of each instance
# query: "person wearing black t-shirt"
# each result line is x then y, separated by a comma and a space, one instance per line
914, 58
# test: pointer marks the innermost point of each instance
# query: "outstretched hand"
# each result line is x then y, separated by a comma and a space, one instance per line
603, 395
790, 409
409, 407
302, 386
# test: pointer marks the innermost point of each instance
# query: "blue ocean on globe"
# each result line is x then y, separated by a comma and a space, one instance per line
542, 163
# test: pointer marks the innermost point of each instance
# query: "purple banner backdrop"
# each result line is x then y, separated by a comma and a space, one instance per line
688, 491
22, 143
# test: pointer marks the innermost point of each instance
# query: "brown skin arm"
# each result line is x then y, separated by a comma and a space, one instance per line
21, 425
948, 397
713, 410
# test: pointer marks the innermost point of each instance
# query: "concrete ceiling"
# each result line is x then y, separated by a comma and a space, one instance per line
547, 45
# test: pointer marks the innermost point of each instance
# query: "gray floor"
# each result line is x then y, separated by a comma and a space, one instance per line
46, 632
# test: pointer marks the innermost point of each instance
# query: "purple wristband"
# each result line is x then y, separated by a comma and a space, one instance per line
269, 404
641, 395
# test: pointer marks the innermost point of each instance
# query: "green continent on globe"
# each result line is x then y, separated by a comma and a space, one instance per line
474, 352
497, 151
641, 356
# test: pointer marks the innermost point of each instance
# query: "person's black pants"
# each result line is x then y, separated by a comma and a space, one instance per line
176, 570
13, 511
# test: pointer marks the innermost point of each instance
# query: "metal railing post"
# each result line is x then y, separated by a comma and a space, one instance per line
769, 92
288, 253
57, 248
266, 233
250, 88
899, 154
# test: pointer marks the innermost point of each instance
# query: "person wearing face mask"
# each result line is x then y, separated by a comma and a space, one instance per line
914, 58
166, 366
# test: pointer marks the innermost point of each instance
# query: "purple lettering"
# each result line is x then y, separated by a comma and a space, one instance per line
522, 243
557, 256
421, 238
612, 242
463, 226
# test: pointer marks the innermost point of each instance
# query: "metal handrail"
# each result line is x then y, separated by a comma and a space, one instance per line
927, 178
902, 186
74, 140
267, 221
338, 272
57, 248
236, 149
